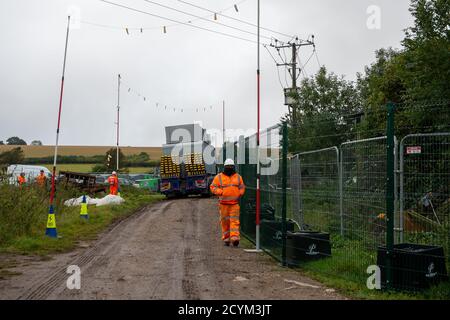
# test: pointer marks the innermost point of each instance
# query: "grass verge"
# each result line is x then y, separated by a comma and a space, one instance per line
71, 228
352, 282
345, 272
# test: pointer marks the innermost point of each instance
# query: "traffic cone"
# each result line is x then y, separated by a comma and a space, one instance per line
51, 224
84, 209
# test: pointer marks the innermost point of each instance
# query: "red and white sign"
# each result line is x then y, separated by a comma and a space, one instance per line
413, 150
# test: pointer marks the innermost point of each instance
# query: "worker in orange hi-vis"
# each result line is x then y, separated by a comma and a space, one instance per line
229, 186
41, 179
21, 179
113, 183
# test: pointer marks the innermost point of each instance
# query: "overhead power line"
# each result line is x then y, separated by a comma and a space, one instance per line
204, 19
235, 19
178, 22
152, 28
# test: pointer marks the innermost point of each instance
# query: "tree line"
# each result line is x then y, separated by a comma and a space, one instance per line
16, 141
103, 163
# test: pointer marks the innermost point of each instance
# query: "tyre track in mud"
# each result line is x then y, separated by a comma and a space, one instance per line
42, 290
170, 250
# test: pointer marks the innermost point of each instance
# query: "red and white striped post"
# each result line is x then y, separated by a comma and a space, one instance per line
258, 117
51, 221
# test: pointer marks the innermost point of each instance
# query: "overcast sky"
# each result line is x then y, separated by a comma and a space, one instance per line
184, 68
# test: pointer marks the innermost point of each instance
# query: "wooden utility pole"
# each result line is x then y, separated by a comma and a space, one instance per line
292, 67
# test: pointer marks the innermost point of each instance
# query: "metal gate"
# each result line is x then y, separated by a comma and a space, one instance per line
362, 189
314, 180
425, 189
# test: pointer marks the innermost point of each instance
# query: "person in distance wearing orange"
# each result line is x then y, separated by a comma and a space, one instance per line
229, 187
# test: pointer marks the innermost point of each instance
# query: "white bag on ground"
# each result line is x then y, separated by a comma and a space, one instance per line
77, 201
110, 200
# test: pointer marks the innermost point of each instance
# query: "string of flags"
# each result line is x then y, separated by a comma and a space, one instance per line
167, 108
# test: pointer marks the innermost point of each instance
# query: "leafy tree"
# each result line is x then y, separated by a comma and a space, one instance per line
16, 141
415, 77
427, 51
328, 107
2, 143
13, 156
36, 143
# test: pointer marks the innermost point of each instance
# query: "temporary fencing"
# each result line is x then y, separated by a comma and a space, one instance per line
376, 199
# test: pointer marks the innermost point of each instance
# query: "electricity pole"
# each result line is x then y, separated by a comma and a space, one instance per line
292, 68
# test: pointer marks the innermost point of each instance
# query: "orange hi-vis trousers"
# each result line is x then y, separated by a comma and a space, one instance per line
229, 218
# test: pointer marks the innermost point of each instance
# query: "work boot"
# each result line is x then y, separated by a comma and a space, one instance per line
236, 243
226, 243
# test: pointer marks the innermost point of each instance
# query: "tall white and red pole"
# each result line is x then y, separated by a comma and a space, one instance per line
258, 168
258, 112
118, 122
51, 222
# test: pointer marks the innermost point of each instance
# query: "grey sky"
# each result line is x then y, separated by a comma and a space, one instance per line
184, 68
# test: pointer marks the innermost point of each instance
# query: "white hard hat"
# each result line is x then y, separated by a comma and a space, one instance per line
229, 162
114, 172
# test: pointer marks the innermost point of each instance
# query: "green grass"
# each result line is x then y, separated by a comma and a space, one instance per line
75, 167
346, 274
26, 226
139, 170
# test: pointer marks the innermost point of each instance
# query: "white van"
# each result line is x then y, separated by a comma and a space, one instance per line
31, 172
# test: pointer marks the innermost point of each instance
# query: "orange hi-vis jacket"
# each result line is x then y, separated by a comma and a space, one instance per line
228, 188
41, 179
113, 185
21, 180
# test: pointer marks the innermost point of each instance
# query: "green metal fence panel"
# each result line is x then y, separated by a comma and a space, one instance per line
370, 211
425, 189
362, 205
363, 191
271, 191
315, 189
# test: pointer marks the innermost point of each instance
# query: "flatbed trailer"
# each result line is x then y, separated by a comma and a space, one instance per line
191, 185
183, 169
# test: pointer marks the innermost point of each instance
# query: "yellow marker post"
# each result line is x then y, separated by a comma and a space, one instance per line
51, 224
84, 209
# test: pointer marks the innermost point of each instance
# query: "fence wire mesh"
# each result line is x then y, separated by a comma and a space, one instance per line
337, 191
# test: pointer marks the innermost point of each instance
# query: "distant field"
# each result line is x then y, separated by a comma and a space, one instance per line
45, 151
76, 167
87, 168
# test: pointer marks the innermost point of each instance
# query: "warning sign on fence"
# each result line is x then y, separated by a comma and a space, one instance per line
413, 150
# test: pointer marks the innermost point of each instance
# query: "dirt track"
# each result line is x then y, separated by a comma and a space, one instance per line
171, 250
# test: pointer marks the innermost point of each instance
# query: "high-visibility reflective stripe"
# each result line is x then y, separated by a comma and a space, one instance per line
214, 185
231, 217
226, 232
228, 198
220, 179
230, 185
234, 230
